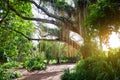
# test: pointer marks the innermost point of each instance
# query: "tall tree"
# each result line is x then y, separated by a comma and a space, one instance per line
103, 15
12, 44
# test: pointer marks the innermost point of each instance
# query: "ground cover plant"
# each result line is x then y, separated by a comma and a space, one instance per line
96, 68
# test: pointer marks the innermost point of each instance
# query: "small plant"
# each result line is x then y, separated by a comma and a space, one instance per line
34, 63
66, 75
8, 74
3, 76
9, 65
15, 74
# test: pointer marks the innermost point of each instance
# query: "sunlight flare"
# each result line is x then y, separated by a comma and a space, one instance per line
114, 40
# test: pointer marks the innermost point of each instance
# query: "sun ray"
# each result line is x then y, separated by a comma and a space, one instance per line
114, 41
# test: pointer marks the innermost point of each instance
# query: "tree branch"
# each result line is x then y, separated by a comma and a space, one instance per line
42, 20
33, 38
39, 19
29, 38
2, 19
61, 18
70, 42
34, 19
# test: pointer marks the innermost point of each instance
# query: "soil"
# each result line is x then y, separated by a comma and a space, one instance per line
53, 72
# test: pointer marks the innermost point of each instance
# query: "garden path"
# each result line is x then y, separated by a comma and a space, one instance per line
53, 72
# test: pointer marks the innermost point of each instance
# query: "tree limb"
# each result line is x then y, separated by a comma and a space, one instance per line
39, 19
29, 38
70, 42
34, 19
33, 38
61, 18
2, 19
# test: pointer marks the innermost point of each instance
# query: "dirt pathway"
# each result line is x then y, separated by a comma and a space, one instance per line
53, 72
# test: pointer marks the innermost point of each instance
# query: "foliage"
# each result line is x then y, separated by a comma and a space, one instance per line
68, 75
14, 45
15, 74
103, 12
10, 65
9, 75
33, 63
2, 74
60, 4
72, 59
3, 57
103, 17
90, 48
114, 59
57, 51
7, 72
52, 50
96, 68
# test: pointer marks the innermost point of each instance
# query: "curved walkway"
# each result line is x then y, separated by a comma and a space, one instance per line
53, 72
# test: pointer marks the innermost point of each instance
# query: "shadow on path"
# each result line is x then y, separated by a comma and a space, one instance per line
53, 72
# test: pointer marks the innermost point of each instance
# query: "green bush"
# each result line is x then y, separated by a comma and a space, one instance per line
68, 75
8, 74
6, 71
15, 74
94, 68
3, 76
34, 63
10, 65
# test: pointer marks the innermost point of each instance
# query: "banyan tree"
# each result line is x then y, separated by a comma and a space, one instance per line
67, 15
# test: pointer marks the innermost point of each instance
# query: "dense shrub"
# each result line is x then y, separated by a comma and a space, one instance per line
10, 65
68, 75
3, 76
7, 73
34, 63
95, 68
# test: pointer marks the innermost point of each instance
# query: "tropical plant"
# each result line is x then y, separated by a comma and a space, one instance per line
33, 63
7, 72
13, 44
95, 68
